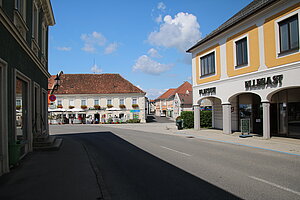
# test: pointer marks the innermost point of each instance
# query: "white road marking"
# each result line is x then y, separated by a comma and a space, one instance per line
176, 151
275, 185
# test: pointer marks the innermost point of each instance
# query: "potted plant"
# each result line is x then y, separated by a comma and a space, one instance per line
97, 107
122, 106
71, 107
59, 106
135, 105
18, 107
83, 106
109, 106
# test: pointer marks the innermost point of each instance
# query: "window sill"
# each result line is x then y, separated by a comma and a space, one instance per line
207, 75
288, 52
241, 66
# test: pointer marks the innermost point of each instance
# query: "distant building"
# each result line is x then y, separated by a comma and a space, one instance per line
23, 76
249, 69
96, 98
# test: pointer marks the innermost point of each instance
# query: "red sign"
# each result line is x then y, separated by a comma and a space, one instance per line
52, 97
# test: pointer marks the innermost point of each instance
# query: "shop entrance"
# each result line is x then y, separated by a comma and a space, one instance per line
250, 110
285, 113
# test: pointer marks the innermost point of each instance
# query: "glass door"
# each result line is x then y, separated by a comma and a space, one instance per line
283, 119
21, 109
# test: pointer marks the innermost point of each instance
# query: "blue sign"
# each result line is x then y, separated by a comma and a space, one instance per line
134, 110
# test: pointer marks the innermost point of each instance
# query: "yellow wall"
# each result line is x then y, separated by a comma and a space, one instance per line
270, 40
253, 52
217, 65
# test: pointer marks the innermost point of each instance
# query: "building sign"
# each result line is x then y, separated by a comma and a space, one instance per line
134, 111
207, 91
262, 83
52, 97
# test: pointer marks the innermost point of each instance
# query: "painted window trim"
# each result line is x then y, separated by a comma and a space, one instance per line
199, 60
277, 34
96, 100
70, 100
137, 101
248, 51
85, 102
111, 101
120, 101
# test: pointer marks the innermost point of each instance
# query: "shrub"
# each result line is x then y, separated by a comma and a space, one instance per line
206, 118
97, 107
122, 106
70, 107
135, 105
84, 107
188, 119
133, 121
109, 106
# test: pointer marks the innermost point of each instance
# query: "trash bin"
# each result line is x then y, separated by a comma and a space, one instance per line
14, 153
179, 123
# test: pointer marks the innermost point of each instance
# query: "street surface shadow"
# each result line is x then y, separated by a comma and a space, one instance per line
128, 172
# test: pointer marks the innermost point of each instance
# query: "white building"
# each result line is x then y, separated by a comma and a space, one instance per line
249, 68
86, 98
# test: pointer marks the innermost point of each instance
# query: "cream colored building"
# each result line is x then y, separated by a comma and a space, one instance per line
249, 67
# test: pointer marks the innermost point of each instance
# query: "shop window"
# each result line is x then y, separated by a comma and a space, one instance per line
21, 109
289, 34
44, 111
241, 52
207, 63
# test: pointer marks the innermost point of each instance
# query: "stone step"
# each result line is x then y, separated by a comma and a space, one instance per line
50, 147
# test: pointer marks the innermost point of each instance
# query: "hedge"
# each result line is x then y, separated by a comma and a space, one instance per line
206, 118
188, 118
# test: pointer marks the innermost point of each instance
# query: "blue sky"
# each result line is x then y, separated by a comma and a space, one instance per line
143, 40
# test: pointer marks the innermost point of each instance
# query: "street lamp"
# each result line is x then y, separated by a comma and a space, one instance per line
56, 82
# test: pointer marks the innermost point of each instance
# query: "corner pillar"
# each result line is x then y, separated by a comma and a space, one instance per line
196, 116
266, 120
226, 118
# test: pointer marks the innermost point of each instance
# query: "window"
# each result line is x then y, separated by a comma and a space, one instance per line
59, 102
208, 64
289, 34
134, 100
71, 102
121, 101
44, 38
109, 102
96, 102
20, 7
83, 102
35, 20
241, 52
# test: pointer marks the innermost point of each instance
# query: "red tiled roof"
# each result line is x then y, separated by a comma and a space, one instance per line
183, 88
166, 94
94, 84
186, 98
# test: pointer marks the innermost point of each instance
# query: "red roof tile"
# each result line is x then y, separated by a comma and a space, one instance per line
94, 84
166, 94
183, 88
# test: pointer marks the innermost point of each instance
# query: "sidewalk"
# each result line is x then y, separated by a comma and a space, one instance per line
62, 174
278, 144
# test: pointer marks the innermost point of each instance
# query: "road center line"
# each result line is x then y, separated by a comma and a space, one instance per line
275, 185
175, 151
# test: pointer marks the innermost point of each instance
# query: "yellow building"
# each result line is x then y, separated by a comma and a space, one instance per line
249, 67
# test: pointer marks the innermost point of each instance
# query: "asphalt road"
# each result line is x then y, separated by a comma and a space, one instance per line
139, 165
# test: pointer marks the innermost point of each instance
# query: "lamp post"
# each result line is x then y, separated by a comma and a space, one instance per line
56, 83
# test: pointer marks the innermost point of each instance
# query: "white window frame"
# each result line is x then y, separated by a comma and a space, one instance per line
123, 101
71, 102
133, 99
199, 60
57, 101
248, 51
85, 102
98, 102
111, 103
277, 34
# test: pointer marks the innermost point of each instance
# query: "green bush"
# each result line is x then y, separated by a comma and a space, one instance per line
188, 119
206, 118
133, 121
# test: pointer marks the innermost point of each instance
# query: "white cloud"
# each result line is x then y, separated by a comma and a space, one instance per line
161, 6
181, 32
64, 48
111, 48
91, 41
154, 93
158, 19
153, 53
149, 66
96, 69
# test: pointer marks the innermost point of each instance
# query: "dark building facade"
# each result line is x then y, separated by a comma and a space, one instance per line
24, 76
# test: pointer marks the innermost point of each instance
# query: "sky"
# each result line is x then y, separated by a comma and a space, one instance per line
142, 40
